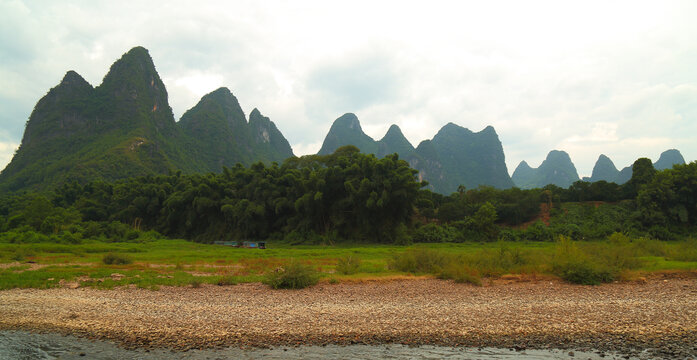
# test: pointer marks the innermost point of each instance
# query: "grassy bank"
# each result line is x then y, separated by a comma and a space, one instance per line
182, 263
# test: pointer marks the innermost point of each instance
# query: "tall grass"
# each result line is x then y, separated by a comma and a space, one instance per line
348, 265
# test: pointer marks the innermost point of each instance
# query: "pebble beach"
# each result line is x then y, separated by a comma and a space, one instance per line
652, 318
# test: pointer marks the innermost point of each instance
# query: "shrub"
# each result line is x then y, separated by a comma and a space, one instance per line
573, 265
227, 280
431, 233
348, 265
293, 276
585, 273
195, 283
116, 259
461, 273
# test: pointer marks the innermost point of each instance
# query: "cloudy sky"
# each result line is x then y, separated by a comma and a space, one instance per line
587, 77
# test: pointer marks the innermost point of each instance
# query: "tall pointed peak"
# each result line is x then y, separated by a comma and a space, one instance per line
604, 169
72, 78
346, 130
256, 118
523, 164
255, 114
393, 132
134, 71
220, 106
348, 120
222, 96
394, 128
489, 130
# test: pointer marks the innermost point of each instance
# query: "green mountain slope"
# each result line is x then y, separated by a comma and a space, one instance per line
122, 128
220, 135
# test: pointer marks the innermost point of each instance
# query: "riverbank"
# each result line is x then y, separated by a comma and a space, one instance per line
656, 316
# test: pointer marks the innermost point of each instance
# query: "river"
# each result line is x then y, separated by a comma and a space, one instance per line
20, 345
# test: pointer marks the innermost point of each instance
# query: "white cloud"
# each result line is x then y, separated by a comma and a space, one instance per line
7, 150
301, 149
587, 78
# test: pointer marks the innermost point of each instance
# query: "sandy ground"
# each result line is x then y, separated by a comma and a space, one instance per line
659, 316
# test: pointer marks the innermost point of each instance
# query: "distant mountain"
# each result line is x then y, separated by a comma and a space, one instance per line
395, 142
125, 127
604, 169
556, 169
466, 158
221, 136
669, 158
455, 156
346, 130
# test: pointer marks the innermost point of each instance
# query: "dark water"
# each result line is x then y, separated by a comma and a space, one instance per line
25, 345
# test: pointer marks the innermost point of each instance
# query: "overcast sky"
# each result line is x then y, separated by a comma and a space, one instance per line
611, 77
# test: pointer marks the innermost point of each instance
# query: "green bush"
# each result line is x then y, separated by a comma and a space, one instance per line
433, 233
348, 265
292, 276
116, 259
575, 266
584, 273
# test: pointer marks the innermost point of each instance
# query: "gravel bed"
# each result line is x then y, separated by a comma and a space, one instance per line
656, 318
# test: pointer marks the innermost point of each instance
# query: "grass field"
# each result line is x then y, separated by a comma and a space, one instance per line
182, 263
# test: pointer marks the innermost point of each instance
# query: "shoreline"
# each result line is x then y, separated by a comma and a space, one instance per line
656, 317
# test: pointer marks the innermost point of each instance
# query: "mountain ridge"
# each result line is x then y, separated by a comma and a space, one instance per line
124, 127
438, 160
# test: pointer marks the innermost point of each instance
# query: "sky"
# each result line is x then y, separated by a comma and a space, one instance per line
588, 77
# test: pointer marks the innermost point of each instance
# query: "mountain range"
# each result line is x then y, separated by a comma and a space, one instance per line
125, 127
455, 156
559, 170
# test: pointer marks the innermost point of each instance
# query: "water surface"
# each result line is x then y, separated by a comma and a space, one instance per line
25, 345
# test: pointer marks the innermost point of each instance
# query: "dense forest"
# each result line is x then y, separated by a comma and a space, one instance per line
349, 196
